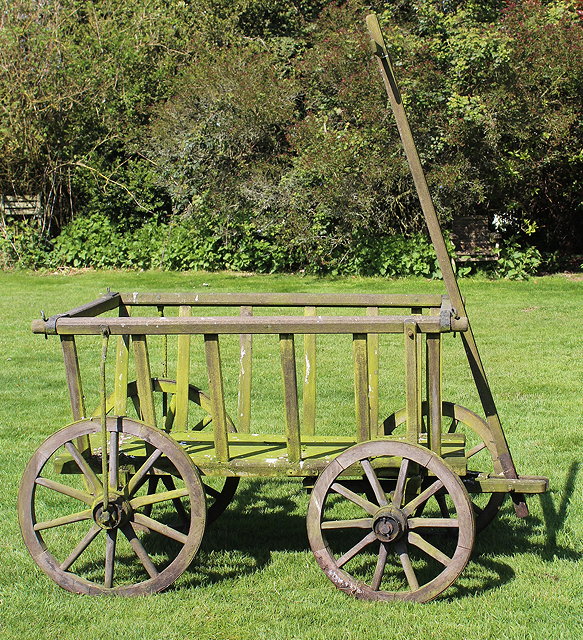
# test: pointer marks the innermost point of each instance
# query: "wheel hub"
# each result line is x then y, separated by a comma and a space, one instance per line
112, 515
389, 524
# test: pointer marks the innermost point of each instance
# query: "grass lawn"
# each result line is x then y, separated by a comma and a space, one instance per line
254, 576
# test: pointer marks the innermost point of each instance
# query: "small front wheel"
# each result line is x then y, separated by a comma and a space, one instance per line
96, 541
364, 529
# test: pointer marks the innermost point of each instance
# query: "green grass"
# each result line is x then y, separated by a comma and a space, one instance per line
254, 576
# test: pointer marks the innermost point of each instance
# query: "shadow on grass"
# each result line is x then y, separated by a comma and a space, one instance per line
258, 523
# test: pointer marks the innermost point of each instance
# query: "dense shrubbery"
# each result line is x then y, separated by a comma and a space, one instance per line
254, 135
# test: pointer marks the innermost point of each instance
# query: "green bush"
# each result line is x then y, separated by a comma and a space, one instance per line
516, 262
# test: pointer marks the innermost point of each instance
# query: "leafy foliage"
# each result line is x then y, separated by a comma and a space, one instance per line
254, 134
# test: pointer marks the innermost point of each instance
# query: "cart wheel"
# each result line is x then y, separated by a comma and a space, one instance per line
220, 491
92, 547
481, 452
383, 544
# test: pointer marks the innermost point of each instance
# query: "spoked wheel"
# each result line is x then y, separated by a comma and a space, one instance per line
481, 451
219, 491
95, 545
378, 549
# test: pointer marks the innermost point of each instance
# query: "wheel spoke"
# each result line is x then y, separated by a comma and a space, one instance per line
84, 467
136, 481
58, 522
78, 550
359, 546
139, 550
380, 568
419, 523
401, 549
369, 507
415, 539
65, 490
155, 498
160, 528
422, 497
479, 447
374, 482
401, 480
356, 523
453, 425
110, 543
114, 460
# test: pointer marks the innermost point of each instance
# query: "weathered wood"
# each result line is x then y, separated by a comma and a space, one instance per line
360, 356
182, 375
254, 325
144, 379
283, 299
373, 377
216, 393
73, 375
245, 376
121, 370
433, 372
290, 391
445, 266
412, 387
309, 386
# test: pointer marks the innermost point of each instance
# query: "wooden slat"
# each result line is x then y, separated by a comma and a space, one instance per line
245, 376
182, 375
73, 375
283, 299
412, 388
144, 379
433, 346
360, 356
121, 370
215, 376
309, 385
417, 311
290, 390
255, 325
373, 377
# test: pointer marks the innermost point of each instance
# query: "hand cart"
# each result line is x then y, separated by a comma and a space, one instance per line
114, 504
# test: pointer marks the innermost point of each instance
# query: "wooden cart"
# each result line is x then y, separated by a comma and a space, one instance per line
117, 504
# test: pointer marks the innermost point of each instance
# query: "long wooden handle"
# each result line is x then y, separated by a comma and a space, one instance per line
443, 258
